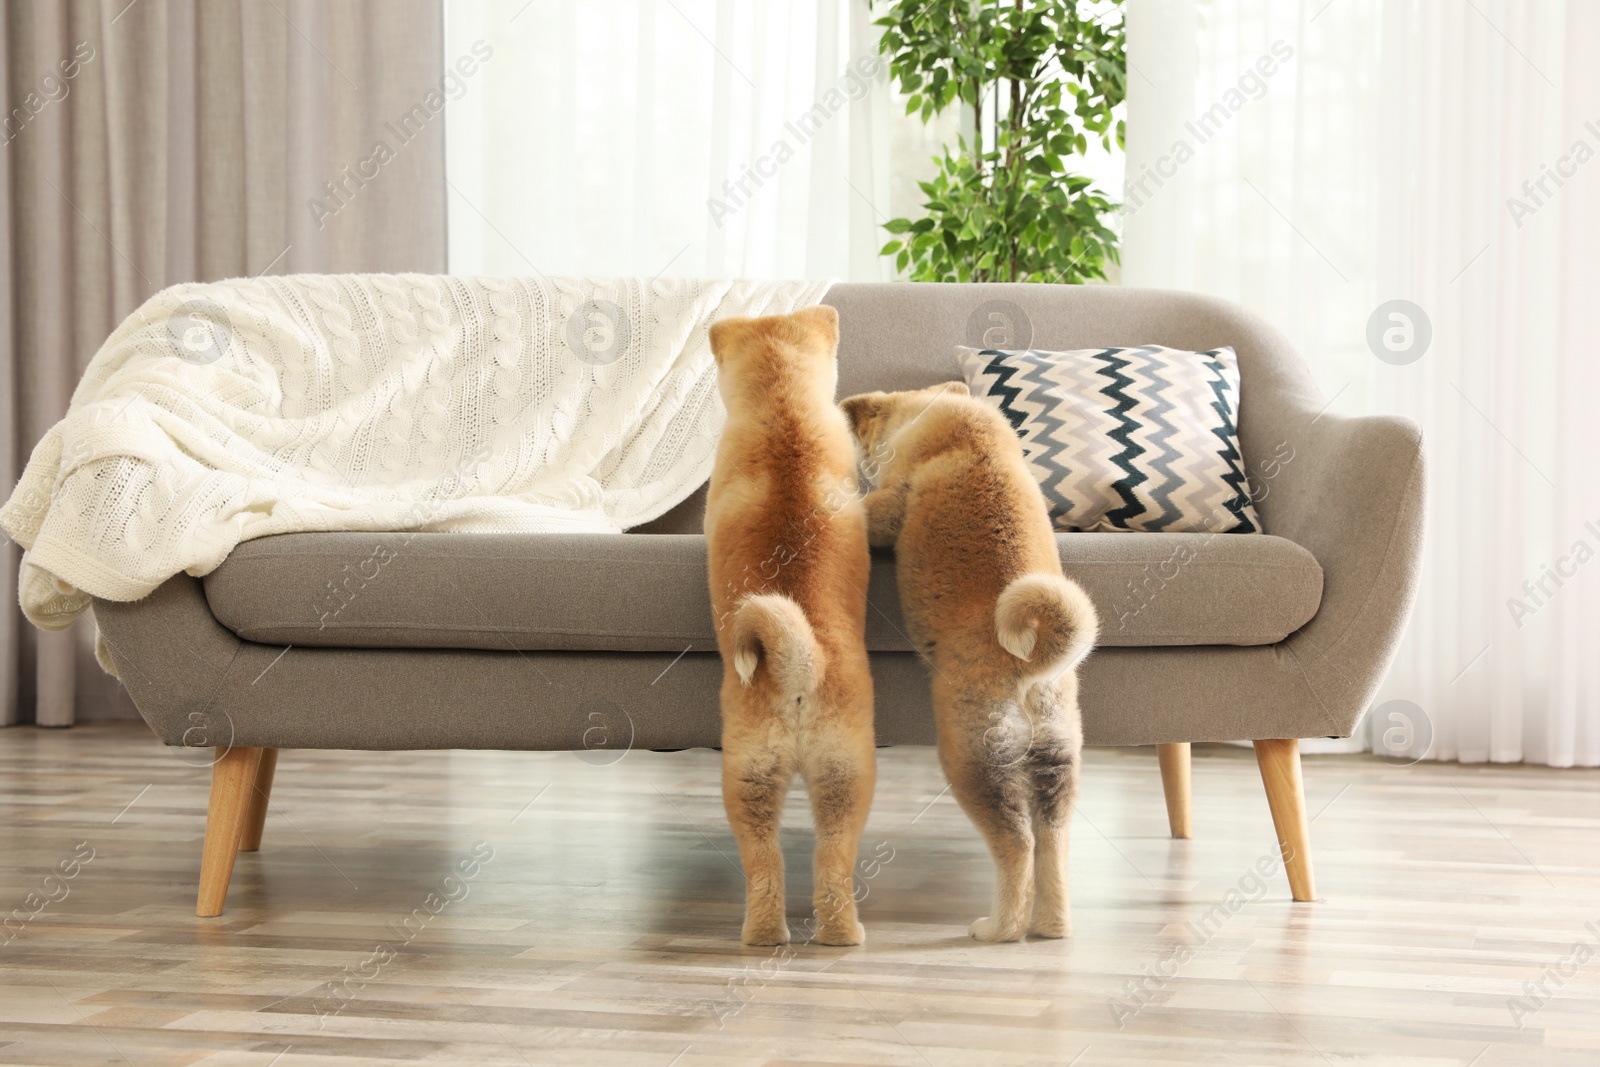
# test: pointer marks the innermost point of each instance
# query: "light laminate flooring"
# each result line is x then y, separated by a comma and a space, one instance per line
602, 928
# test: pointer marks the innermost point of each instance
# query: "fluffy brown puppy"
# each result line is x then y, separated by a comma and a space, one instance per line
788, 558
987, 605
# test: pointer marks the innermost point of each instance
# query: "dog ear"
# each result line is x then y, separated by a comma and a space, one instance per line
952, 388
726, 335
821, 318
862, 409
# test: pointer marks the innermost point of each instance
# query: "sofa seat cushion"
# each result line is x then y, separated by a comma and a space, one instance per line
648, 592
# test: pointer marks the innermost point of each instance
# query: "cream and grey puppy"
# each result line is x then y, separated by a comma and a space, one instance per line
1003, 629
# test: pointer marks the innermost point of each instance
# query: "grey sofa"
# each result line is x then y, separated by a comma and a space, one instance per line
408, 640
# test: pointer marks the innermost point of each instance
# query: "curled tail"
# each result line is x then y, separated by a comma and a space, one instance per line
771, 629
1047, 621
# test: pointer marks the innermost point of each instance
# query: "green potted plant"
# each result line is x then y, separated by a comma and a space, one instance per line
1009, 207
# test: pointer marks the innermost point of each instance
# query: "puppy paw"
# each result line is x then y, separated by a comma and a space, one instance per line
1042, 927
842, 934
987, 929
766, 933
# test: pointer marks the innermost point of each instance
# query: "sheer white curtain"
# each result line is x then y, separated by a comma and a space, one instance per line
1359, 152
677, 137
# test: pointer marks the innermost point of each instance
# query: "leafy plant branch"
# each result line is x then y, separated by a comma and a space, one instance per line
1011, 208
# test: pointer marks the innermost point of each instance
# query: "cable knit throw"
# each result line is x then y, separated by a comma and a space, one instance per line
221, 412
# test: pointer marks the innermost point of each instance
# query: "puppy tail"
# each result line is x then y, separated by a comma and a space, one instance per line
1046, 621
771, 629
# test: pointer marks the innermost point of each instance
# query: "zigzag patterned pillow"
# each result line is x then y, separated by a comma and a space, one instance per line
1125, 438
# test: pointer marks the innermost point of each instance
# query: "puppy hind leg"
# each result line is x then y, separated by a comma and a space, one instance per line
753, 791
1053, 764
1053, 768
988, 778
840, 785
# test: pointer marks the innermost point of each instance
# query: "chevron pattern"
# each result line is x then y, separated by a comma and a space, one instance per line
1125, 438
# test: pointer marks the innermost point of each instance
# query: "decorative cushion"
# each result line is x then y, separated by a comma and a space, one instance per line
1125, 438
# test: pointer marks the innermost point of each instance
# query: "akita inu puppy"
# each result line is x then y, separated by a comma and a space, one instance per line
987, 605
788, 558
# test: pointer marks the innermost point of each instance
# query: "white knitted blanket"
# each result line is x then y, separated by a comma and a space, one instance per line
221, 412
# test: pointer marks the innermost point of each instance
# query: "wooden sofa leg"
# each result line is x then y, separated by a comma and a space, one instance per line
233, 780
256, 820
1175, 783
1286, 796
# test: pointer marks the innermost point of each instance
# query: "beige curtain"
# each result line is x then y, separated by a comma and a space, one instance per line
157, 141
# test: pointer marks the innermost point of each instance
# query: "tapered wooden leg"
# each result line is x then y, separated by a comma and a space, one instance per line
1175, 783
233, 780
250, 840
1280, 773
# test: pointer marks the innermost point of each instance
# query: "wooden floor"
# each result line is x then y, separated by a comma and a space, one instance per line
603, 930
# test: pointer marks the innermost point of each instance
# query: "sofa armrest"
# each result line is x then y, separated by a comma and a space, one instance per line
1350, 490
173, 658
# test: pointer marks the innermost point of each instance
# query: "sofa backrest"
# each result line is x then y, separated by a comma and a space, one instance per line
896, 336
